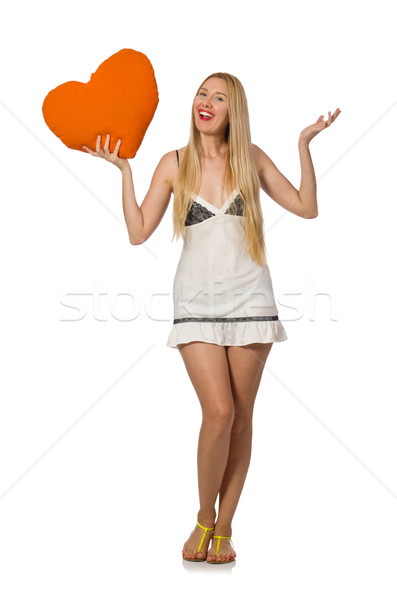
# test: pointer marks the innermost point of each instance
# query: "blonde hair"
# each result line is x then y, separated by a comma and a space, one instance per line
240, 173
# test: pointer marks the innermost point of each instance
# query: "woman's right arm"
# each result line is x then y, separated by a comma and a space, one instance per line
142, 221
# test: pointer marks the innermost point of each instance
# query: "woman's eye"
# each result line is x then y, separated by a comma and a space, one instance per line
204, 94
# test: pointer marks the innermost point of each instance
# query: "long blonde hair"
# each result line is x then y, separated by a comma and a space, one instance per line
240, 173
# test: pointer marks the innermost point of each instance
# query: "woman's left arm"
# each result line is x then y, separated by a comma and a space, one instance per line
308, 186
302, 202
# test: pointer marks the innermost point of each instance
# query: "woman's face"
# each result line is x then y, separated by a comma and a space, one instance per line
212, 99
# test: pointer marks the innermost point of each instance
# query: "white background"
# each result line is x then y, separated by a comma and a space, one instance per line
99, 420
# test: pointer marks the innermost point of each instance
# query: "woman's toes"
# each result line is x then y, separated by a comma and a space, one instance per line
190, 554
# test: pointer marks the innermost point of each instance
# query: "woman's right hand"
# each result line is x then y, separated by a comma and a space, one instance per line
113, 158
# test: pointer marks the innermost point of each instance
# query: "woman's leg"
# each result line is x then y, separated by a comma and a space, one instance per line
208, 369
246, 364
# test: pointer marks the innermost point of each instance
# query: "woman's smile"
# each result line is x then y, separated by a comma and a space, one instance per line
205, 115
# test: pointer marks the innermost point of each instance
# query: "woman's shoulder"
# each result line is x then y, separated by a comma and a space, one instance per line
181, 152
169, 162
172, 156
260, 157
256, 151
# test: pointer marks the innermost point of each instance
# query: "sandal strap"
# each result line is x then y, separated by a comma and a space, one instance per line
222, 537
204, 534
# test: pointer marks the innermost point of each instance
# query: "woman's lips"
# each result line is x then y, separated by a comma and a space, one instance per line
205, 117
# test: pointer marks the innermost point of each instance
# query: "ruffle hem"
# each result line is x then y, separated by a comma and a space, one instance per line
227, 334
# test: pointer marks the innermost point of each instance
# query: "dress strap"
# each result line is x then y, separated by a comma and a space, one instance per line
177, 156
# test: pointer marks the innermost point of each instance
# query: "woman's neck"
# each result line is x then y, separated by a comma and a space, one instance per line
213, 147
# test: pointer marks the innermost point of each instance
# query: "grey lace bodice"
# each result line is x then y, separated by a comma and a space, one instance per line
198, 213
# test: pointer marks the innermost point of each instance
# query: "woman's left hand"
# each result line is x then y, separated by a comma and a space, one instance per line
309, 132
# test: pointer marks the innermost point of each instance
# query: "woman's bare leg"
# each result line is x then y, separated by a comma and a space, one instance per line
208, 369
246, 364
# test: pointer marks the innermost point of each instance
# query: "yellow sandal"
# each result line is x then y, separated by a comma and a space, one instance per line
201, 543
221, 562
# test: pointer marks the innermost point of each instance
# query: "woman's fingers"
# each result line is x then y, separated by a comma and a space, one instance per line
89, 151
106, 146
117, 148
104, 153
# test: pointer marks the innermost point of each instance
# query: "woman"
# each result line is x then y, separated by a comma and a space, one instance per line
226, 319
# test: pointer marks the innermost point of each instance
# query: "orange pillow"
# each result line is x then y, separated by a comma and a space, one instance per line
120, 98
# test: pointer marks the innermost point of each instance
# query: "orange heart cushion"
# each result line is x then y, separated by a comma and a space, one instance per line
120, 98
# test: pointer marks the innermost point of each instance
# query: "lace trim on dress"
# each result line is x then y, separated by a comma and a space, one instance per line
197, 213
225, 319
236, 207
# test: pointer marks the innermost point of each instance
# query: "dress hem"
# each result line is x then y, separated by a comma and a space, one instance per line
226, 334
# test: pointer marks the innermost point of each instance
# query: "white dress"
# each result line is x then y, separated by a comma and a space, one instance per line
220, 294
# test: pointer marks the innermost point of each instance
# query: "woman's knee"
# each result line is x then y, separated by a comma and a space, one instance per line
242, 421
208, 369
219, 415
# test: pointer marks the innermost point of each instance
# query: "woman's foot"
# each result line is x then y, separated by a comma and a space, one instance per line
225, 551
193, 542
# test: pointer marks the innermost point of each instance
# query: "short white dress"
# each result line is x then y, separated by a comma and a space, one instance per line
220, 294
